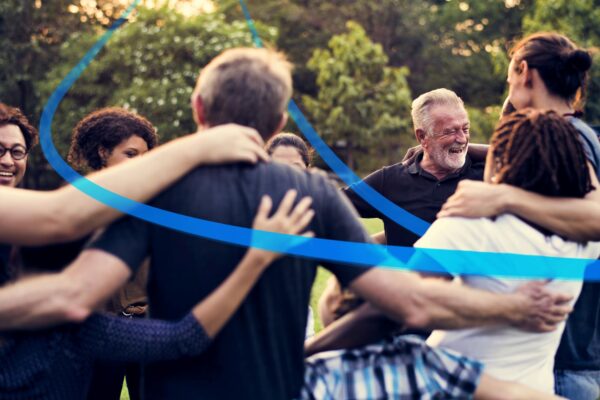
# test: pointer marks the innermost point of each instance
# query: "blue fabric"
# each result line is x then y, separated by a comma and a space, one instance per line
577, 385
57, 364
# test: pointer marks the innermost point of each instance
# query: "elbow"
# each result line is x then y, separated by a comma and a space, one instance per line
417, 314
67, 300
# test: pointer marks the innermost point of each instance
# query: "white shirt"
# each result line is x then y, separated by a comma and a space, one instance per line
508, 353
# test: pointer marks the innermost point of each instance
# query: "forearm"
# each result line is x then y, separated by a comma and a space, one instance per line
576, 219
215, 310
357, 328
112, 338
434, 304
67, 213
39, 302
71, 295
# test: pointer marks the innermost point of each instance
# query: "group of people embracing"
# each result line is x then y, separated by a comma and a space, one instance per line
186, 317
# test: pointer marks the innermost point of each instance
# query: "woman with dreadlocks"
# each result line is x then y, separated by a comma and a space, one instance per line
523, 153
548, 71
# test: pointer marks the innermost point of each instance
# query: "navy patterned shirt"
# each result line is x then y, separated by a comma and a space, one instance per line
57, 363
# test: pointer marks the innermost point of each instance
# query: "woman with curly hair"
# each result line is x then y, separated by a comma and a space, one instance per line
102, 139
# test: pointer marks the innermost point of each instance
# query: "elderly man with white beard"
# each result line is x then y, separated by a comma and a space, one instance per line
421, 187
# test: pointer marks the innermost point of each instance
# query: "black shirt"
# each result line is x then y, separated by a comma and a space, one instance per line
259, 353
413, 189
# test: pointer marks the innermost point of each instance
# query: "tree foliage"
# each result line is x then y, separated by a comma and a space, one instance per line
149, 66
361, 100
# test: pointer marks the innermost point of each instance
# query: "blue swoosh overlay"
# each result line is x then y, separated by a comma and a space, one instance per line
431, 260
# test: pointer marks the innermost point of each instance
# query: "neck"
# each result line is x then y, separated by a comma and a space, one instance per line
546, 101
434, 169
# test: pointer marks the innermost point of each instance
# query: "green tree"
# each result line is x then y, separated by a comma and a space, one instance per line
149, 66
580, 21
361, 100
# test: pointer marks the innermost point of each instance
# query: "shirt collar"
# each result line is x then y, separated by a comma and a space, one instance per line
415, 168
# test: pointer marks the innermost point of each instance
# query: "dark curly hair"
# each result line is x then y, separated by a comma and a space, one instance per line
540, 151
106, 128
14, 116
561, 64
289, 139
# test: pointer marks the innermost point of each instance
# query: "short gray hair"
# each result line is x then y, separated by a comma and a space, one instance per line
422, 105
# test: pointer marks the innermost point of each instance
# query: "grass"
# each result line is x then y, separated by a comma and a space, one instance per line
372, 226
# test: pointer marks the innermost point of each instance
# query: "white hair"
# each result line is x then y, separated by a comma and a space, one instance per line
421, 107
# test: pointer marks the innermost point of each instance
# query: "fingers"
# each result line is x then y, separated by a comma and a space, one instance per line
264, 208
303, 222
286, 204
300, 209
253, 135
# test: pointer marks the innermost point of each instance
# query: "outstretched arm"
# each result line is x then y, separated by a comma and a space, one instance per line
152, 340
436, 304
576, 219
67, 296
48, 217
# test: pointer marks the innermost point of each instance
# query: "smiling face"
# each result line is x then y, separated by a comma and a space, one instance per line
446, 144
11, 170
288, 155
127, 149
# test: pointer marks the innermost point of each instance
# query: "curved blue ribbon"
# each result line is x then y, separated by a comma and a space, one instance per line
457, 262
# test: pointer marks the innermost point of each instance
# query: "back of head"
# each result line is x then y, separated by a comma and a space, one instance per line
250, 87
422, 105
14, 116
561, 64
540, 151
107, 128
291, 140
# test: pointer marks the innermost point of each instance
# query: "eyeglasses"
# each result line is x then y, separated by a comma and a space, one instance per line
17, 152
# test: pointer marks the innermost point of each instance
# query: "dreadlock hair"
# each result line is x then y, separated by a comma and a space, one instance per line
540, 151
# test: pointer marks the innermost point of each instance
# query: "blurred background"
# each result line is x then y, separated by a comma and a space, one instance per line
358, 64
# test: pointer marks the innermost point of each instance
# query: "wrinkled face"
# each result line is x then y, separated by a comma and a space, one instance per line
288, 155
11, 170
518, 92
129, 148
446, 144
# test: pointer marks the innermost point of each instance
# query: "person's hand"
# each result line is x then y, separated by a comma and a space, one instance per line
411, 154
287, 219
230, 143
474, 199
542, 310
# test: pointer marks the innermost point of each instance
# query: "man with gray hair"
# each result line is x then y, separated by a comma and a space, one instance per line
421, 187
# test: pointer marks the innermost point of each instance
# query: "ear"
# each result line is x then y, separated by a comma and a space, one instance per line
421, 136
526, 73
282, 122
104, 154
198, 109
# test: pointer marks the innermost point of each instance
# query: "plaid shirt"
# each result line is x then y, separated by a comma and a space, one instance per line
403, 367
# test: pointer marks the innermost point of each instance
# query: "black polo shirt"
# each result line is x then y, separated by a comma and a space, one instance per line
413, 189
259, 354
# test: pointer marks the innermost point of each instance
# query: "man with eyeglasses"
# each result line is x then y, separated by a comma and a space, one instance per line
17, 136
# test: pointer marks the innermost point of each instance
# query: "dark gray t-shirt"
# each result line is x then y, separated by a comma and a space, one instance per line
580, 344
259, 353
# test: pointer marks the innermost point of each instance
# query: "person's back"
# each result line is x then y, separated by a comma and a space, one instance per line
507, 353
539, 151
259, 354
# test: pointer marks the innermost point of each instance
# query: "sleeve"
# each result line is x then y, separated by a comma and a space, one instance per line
107, 337
365, 210
341, 222
127, 239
